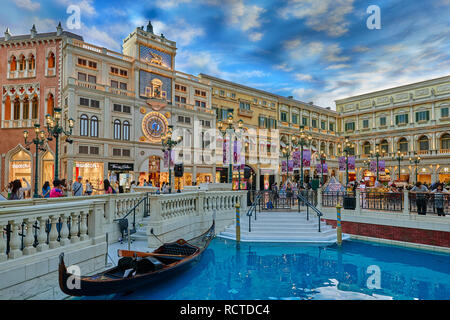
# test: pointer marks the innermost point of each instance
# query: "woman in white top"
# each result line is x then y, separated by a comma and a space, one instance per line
17, 192
88, 189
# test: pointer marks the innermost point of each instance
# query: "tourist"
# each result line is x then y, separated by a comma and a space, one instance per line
57, 190
439, 199
132, 185
88, 190
421, 201
145, 183
107, 187
63, 186
17, 192
46, 190
77, 187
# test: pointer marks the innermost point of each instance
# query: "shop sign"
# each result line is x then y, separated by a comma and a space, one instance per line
21, 166
120, 166
87, 165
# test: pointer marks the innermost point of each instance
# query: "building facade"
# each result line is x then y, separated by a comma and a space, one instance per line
411, 122
30, 77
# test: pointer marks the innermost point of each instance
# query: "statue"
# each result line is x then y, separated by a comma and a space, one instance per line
149, 27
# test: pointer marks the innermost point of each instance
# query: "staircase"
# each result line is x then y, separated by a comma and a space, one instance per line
141, 230
287, 226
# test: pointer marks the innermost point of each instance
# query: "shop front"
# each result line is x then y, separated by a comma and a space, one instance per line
444, 175
121, 174
424, 175
48, 168
266, 179
91, 171
20, 167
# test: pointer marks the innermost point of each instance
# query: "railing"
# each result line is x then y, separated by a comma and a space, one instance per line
256, 203
145, 211
45, 227
429, 203
333, 198
284, 199
388, 201
304, 200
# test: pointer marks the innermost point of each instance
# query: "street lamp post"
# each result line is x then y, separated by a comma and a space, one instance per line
38, 141
55, 129
231, 130
323, 157
347, 147
399, 158
168, 144
305, 140
287, 153
376, 155
416, 161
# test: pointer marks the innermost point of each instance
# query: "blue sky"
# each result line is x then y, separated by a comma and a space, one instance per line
315, 50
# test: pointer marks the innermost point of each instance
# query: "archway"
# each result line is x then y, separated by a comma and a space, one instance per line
20, 166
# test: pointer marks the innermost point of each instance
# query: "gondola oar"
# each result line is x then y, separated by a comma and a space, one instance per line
132, 254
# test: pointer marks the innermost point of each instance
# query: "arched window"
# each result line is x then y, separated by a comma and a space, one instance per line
31, 62
16, 109
322, 147
384, 146
366, 148
423, 143
51, 60
117, 131
126, 130
94, 126
331, 149
403, 145
13, 64
445, 141
34, 107
26, 108
50, 104
22, 63
8, 108
84, 125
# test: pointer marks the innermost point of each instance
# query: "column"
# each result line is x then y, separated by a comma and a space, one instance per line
392, 118
214, 170
194, 173
21, 113
258, 178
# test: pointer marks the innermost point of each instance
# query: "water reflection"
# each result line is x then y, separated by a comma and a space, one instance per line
294, 271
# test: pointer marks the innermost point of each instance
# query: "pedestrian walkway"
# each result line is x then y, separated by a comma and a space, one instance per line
288, 226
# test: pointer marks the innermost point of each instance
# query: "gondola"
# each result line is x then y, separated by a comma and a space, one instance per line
137, 269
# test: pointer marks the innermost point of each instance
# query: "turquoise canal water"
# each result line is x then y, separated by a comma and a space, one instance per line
357, 270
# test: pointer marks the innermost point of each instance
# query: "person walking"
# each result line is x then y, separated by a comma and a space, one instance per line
57, 190
439, 199
421, 201
77, 187
17, 191
46, 190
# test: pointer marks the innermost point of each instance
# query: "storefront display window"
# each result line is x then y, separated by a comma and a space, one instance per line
92, 171
48, 168
20, 167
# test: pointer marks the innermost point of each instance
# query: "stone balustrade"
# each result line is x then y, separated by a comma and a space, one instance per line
188, 214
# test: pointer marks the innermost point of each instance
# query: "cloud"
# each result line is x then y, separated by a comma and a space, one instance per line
325, 15
169, 4
303, 77
291, 44
361, 49
338, 66
332, 54
302, 93
182, 32
27, 4
255, 36
100, 38
283, 67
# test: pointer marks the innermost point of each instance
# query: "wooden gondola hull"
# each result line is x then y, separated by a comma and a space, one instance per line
102, 284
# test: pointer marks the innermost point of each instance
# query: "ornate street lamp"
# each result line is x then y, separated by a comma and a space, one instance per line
38, 141
348, 146
230, 129
323, 157
399, 158
376, 155
168, 144
287, 153
416, 161
305, 140
55, 129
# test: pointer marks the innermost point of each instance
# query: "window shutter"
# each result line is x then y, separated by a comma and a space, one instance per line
417, 117
428, 115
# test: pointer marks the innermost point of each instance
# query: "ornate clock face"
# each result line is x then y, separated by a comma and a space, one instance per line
154, 126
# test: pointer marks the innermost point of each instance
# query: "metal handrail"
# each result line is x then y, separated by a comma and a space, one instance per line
256, 202
300, 197
133, 210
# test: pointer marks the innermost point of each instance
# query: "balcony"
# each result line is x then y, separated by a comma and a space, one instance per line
22, 123
19, 74
245, 113
444, 151
423, 152
100, 87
